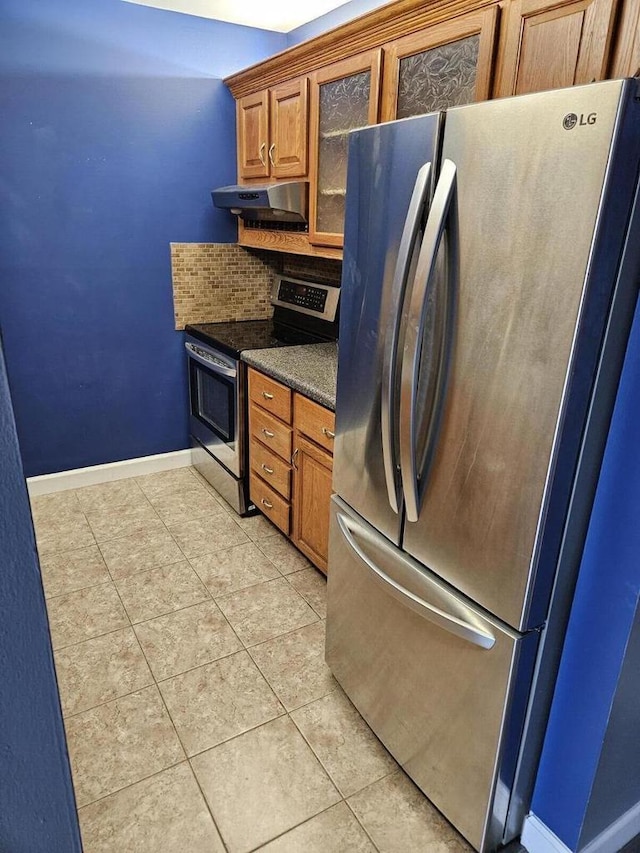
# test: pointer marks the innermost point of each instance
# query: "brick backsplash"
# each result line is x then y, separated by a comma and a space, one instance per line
316, 269
218, 282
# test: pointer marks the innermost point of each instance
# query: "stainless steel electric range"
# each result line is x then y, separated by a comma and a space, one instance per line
304, 312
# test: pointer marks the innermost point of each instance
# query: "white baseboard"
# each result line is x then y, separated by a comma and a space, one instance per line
538, 838
79, 477
617, 834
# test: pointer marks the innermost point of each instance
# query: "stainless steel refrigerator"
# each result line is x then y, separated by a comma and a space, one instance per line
490, 270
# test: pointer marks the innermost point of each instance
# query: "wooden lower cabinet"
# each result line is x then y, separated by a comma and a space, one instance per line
270, 503
311, 500
291, 464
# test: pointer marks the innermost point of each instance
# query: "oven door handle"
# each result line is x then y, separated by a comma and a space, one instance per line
211, 362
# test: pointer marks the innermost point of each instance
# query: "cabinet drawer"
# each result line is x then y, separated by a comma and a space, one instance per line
270, 395
270, 431
270, 503
314, 421
271, 468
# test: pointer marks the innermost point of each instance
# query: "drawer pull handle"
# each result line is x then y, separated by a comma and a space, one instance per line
328, 433
267, 395
268, 433
266, 503
293, 458
266, 468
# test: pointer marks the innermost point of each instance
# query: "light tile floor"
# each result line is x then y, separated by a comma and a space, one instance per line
200, 714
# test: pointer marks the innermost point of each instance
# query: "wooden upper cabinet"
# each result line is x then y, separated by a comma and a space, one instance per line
344, 96
445, 65
253, 135
289, 116
272, 132
626, 58
550, 44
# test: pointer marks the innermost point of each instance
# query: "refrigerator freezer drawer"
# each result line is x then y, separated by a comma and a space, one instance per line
436, 679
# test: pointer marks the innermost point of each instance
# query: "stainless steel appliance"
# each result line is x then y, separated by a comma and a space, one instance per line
304, 312
285, 201
485, 310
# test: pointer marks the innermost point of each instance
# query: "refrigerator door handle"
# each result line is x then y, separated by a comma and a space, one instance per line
442, 219
462, 621
389, 368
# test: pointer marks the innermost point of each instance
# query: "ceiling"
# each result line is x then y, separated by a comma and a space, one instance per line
276, 15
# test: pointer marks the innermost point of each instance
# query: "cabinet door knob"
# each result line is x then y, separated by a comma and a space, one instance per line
328, 433
261, 153
272, 148
266, 503
268, 432
267, 395
266, 468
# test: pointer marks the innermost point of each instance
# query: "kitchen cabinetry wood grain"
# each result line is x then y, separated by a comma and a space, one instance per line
270, 416
445, 65
294, 243
270, 503
626, 58
433, 55
314, 428
273, 132
253, 134
270, 395
291, 460
548, 44
344, 96
289, 116
273, 470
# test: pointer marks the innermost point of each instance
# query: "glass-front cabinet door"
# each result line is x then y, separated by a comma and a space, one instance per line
344, 96
446, 65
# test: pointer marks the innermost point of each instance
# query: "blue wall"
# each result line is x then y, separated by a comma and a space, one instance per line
600, 626
37, 808
115, 128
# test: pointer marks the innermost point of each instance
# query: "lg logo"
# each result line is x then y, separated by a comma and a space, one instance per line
571, 120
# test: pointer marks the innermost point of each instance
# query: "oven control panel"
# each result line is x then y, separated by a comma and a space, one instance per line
307, 297
304, 295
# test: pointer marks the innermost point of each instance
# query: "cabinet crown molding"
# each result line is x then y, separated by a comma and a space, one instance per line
364, 33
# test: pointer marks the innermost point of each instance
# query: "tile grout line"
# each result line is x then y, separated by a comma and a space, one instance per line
154, 681
93, 636
182, 559
244, 648
154, 684
207, 806
240, 734
160, 681
120, 535
117, 698
80, 589
320, 761
302, 823
175, 728
302, 595
360, 823
249, 585
132, 784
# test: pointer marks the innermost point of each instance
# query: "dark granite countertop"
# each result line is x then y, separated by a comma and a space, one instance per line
311, 369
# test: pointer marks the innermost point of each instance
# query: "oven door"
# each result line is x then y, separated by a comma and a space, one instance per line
214, 396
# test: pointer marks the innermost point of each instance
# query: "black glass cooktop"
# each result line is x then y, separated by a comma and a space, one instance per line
233, 338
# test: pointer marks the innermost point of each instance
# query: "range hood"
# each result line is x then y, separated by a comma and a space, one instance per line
282, 202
